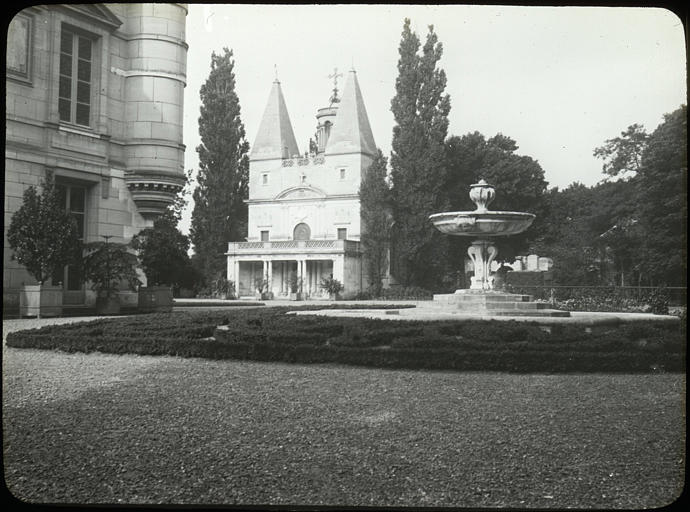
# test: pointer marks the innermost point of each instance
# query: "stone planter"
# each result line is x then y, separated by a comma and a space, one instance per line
296, 296
155, 299
40, 300
108, 305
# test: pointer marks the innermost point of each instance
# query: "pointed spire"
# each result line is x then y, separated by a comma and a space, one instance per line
275, 138
351, 132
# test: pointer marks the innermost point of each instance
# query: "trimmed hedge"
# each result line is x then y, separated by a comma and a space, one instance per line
271, 335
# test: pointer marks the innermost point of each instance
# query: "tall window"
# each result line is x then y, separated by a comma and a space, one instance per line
73, 198
264, 236
342, 233
74, 95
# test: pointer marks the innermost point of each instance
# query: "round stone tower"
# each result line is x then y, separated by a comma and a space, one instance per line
154, 87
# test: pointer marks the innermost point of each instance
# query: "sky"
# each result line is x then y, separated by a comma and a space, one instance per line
559, 81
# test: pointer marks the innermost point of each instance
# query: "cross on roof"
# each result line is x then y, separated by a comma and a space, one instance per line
335, 76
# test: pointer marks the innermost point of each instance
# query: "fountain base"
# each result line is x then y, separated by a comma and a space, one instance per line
493, 303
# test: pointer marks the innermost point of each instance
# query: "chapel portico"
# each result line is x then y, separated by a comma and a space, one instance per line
310, 260
304, 211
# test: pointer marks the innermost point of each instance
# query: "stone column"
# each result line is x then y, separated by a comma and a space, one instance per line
236, 277
269, 272
300, 273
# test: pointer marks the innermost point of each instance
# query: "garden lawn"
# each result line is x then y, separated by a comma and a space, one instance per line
101, 428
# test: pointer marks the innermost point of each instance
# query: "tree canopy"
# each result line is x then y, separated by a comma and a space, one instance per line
420, 109
42, 234
374, 196
220, 213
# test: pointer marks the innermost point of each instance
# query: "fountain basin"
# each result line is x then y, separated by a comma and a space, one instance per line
482, 224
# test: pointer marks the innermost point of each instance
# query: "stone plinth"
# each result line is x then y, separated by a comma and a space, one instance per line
493, 303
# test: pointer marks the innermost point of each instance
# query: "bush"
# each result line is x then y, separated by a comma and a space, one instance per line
271, 335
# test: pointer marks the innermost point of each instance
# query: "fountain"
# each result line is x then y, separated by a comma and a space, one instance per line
484, 226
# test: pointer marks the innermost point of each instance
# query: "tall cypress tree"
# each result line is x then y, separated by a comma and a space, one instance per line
374, 196
220, 213
420, 109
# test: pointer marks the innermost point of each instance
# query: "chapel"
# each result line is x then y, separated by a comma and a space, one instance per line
304, 209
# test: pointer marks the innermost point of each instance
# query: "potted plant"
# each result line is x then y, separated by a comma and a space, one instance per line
162, 252
261, 288
331, 286
223, 288
107, 265
295, 286
43, 237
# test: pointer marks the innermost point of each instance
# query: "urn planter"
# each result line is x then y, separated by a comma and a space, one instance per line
155, 299
40, 300
108, 304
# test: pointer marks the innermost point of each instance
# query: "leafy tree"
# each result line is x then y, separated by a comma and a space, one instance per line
623, 154
662, 201
519, 182
42, 234
374, 195
420, 109
163, 252
107, 265
220, 213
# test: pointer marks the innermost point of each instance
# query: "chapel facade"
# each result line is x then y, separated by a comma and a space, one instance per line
304, 210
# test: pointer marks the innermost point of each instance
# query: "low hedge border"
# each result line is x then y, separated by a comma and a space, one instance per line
271, 335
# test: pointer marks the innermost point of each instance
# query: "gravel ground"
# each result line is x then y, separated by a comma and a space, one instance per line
99, 428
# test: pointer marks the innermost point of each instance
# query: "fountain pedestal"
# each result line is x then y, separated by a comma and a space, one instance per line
484, 225
483, 253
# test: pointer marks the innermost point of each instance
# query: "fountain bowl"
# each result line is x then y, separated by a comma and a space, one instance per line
482, 224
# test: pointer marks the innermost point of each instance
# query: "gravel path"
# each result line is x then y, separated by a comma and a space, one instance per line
101, 428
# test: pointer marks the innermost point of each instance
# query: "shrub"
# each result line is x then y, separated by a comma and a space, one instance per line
42, 235
271, 335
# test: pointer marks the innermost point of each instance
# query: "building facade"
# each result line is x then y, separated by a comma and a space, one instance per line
304, 210
94, 100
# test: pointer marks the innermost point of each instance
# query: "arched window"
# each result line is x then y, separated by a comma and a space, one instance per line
301, 232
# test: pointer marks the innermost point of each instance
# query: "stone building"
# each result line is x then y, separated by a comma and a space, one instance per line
304, 210
94, 99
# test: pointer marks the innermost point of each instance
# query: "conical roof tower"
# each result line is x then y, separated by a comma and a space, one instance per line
275, 138
351, 132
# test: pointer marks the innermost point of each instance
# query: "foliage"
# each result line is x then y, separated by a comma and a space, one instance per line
662, 202
623, 155
420, 110
294, 282
519, 182
601, 298
374, 196
331, 286
107, 265
271, 335
42, 235
261, 284
223, 288
162, 251
220, 213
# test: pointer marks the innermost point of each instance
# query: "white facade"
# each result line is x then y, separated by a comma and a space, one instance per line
304, 211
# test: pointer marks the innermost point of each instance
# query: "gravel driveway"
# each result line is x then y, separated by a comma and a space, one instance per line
102, 428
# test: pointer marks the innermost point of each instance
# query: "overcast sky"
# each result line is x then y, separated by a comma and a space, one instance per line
557, 80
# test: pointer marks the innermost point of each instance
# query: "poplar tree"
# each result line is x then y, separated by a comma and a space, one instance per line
220, 213
420, 109
374, 196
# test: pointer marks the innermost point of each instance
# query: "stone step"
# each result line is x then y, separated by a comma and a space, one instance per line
453, 298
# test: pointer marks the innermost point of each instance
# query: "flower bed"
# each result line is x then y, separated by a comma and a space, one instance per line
271, 335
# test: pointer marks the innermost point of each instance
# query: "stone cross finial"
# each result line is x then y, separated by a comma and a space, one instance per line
335, 76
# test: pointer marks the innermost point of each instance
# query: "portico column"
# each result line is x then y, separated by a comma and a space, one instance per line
236, 276
300, 273
269, 272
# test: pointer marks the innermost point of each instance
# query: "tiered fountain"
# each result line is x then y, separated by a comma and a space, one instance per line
484, 226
